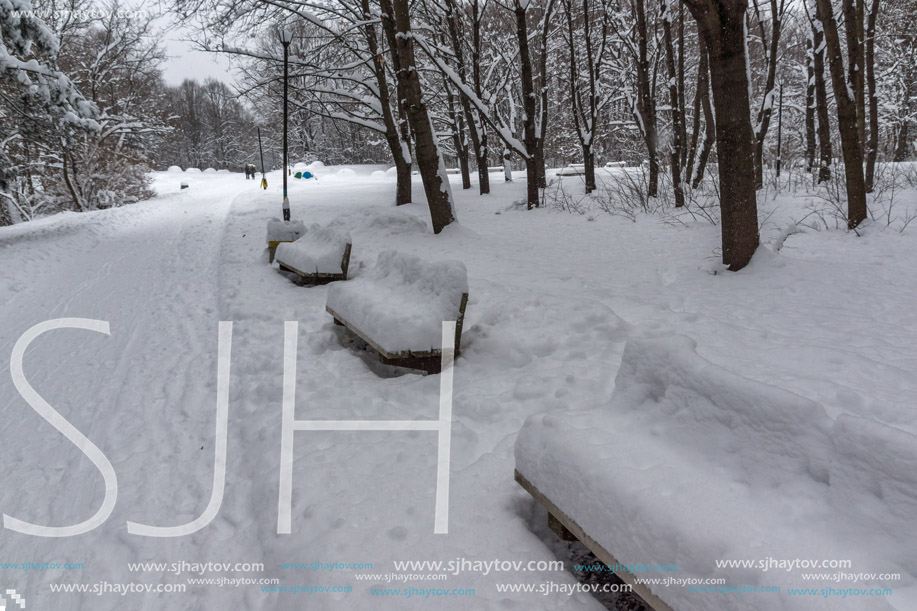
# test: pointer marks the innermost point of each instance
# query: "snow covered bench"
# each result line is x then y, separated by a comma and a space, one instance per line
399, 306
282, 231
691, 464
320, 256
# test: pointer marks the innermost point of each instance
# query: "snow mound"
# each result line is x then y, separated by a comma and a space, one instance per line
284, 231
707, 465
224, 171
319, 251
193, 171
210, 171
346, 172
316, 165
174, 169
392, 171
299, 167
402, 301
378, 174
394, 221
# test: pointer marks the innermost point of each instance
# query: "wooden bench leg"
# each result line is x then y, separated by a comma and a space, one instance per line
558, 528
338, 323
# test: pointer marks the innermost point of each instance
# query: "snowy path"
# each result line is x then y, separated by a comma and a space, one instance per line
144, 395
545, 329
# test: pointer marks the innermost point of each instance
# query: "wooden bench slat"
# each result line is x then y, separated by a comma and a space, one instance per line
641, 590
427, 360
320, 278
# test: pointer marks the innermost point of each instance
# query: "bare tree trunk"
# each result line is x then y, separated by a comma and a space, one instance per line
767, 105
721, 23
583, 111
825, 150
452, 19
901, 137
481, 152
678, 119
646, 104
703, 86
872, 144
541, 128
458, 140
429, 161
846, 115
392, 137
810, 105
529, 137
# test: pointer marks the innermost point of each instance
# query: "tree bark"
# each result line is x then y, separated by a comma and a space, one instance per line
481, 151
529, 137
703, 86
721, 24
458, 139
872, 144
396, 18
678, 119
392, 137
810, 106
767, 105
646, 104
901, 137
825, 149
846, 116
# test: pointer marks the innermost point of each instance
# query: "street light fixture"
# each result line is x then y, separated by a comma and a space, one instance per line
286, 37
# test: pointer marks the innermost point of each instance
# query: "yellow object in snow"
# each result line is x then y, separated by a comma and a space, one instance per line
264, 183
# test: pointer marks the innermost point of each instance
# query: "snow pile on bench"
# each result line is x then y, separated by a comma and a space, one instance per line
401, 303
319, 251
284, 231
690, 464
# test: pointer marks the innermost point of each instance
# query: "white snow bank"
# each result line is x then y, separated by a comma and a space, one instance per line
401, 303
392, 172
378, 174
346, 172
316, 165
319, 251
690, 464
210, 171
192, 171
284, 231
223, 171
394, 221
299, 167
174, 168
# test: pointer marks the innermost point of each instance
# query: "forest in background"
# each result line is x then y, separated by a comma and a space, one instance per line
694, 91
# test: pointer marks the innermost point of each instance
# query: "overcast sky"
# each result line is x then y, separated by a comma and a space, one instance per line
185, 63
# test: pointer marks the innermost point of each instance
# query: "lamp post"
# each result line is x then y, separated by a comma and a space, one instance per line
779, 126
286, 37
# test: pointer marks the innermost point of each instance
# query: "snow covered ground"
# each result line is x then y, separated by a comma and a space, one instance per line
553, 299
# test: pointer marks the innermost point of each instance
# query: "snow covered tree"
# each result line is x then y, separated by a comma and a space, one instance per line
38, 103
